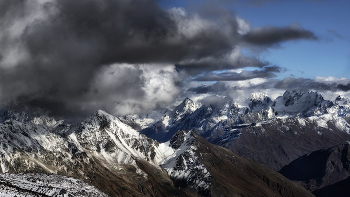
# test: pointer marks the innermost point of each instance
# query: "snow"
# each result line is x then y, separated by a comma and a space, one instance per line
301, 121
191, 169
45, 185
164, 153
171, 159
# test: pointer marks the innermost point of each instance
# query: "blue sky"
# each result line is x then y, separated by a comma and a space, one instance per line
328, 20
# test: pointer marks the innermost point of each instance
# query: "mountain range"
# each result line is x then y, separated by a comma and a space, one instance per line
216, 149
270, 132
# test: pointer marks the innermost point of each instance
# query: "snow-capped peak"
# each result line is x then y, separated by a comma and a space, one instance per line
298, 102
259, 101
186, 107
258, 96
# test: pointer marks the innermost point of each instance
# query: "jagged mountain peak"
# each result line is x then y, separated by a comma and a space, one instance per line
187, 101
187, 105
292, 97
103, 120
298, 102
258, 96
185, 108
106, 137
259, 101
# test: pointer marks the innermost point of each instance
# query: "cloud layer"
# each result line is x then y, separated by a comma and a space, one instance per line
73, 57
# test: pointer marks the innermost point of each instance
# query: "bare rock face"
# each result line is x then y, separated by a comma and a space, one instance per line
321, 168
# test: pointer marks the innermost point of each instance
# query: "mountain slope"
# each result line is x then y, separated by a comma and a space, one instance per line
320, 168
216, 171
339, 189
101, 151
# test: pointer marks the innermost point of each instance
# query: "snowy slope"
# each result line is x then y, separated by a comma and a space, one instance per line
106, 137
184, 164
28, 185
101, 146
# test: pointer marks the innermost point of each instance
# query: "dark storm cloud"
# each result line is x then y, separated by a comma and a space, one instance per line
266, 72
14, 6
52, 61
270, 36
64, 51
310, 84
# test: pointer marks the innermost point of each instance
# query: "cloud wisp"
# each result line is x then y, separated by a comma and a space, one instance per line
266, 72
320, 84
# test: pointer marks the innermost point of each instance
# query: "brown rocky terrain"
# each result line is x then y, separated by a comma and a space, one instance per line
322, 170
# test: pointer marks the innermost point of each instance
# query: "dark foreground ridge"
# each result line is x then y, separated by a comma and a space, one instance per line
233, 175
322, 171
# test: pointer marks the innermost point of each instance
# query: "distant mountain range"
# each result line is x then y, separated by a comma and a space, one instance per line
181, 152
270, 132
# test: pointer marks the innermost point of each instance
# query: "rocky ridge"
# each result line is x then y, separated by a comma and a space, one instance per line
262, 125
104, 152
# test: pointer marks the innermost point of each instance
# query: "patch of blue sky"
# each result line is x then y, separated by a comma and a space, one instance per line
327, 19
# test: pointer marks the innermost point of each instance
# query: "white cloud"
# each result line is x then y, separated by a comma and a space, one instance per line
332, 79
243, 26
127, 89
